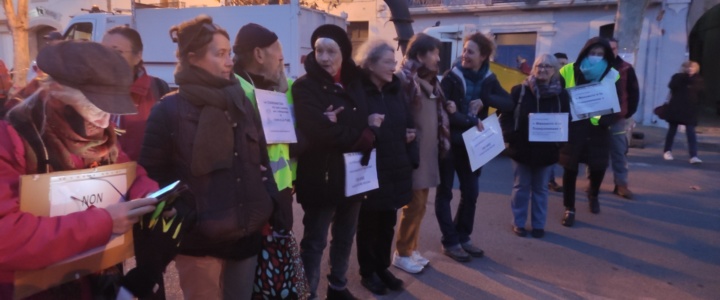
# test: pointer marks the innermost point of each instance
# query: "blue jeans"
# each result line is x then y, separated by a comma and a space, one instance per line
530, 186
618, 152
691, 138
457, 231
344, 219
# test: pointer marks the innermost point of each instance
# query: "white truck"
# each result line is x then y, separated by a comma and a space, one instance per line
292, 23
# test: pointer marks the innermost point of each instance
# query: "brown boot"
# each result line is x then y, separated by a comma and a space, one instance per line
623, 191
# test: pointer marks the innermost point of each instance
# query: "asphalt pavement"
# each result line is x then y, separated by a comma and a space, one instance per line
663, 244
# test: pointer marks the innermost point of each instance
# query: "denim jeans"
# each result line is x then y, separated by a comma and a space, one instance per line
691, 138
530, 187
317, 220
618, 152
457, 231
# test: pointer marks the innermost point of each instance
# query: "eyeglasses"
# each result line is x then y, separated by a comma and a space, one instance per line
545, 67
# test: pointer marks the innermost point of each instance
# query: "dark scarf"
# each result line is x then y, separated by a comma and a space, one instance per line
551, 88
56, 137
221, 101
473, 80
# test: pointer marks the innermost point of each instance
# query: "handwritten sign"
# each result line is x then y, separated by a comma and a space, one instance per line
359, 178
277, 117
73, 193
65, 192
548, 127
483, 146
593, 99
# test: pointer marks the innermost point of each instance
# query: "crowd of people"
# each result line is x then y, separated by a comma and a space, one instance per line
102, 108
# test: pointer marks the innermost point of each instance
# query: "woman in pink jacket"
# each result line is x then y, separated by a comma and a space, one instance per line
65, 126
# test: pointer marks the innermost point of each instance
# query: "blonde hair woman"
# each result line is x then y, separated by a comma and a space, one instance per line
685, 89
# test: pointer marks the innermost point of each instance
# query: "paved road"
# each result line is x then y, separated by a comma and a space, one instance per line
665, 244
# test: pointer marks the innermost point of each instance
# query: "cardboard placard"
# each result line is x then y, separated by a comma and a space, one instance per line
51, 194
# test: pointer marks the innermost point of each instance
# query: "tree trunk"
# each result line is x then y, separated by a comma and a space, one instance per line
402, 20
628, 24
18, 26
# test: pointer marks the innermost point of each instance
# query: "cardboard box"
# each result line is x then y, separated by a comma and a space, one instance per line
61, 193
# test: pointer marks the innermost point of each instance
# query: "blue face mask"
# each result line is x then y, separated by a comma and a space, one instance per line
593, 67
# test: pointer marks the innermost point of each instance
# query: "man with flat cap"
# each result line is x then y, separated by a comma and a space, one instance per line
66, 126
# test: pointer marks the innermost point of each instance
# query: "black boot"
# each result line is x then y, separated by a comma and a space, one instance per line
344, 294
569, 217
594, 204
374, 284
390, 280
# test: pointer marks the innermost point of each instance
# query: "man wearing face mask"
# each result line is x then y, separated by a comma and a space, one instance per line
589, 139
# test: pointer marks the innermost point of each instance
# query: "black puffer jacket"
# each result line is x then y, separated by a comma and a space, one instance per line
685, 91
321, 166
491, 93
238, 193
395, 157
520, 149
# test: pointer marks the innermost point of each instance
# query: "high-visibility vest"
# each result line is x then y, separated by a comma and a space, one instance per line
280, 163
568, 73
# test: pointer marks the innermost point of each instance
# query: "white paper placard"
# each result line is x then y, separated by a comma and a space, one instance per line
73, 193
593, 99
359, 178
483, 146
548, 127
276, 116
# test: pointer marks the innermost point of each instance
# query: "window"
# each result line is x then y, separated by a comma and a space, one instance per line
358, 32
80, 31
511, 46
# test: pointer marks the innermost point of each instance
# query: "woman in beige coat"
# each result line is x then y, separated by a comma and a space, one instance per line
418, 75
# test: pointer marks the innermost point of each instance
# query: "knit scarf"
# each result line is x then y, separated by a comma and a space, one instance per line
55, 136
222, 103
473, 80
550, 88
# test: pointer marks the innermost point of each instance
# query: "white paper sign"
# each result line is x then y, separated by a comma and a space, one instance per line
548, 127
73, 193
276, 116
482, 146
359, 178
593, 99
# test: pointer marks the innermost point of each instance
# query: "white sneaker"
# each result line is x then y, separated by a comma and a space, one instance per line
406, 263
668, 155
695, 160
419, 259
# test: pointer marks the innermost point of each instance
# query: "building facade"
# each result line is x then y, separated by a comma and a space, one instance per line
528, 28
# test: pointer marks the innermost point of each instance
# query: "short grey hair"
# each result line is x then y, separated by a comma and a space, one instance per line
371, 51
548, 59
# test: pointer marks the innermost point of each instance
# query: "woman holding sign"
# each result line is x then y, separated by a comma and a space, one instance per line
473, 88
589, 139
396, 156
535, 130
333, 114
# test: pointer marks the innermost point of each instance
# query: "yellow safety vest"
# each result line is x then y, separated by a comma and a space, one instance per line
568, 73
280, 163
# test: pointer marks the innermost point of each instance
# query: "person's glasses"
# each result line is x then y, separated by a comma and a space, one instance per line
547, 67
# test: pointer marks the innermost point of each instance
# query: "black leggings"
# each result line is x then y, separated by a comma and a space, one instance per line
569, 180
